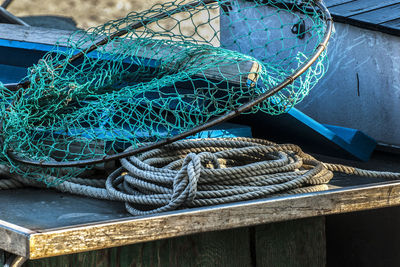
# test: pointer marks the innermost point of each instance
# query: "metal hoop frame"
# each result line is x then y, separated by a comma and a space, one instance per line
227, 116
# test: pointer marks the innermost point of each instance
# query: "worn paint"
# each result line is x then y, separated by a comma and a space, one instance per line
361, 89
374, 105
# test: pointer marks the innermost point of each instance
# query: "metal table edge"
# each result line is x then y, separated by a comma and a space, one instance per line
15, 239
81, 238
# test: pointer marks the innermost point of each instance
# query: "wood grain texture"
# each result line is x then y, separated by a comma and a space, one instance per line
331, 3
369, 14
380, 15
33, 34
237, 72
392, 23
223, 248
360, 6
2, 258
292, 243
124, 232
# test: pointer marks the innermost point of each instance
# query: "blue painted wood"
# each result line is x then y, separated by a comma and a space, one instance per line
349, 141
25, 54
368, 14
392, 23
22, 54
298, 128
353, 141
224, 130
361, 6
11, 74
380, 15
331, 3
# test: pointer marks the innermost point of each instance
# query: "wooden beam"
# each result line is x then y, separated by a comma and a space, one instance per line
360, 6
81, 238
331, 3
222, 248
291, 243
240, 72
380, 15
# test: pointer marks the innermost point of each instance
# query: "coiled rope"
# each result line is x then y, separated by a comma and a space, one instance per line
192, 173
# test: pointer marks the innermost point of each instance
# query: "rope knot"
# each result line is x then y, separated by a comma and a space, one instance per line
186, 180
189, 174
208, 157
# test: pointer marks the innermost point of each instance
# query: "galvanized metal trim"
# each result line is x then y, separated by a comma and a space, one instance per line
82, 238
14, 239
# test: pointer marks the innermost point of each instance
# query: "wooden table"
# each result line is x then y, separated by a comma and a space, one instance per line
37, 224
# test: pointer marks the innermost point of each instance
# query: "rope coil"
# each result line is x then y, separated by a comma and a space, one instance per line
193, 173
156, 77
210, 172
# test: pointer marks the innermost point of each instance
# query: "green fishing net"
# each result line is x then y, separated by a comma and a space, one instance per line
156, 74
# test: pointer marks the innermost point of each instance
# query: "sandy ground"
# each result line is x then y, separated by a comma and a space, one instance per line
86, 14
90, 13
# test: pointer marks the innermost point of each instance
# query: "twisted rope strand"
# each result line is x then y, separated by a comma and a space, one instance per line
204, 172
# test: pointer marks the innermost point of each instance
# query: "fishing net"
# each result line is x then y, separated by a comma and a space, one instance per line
156, 74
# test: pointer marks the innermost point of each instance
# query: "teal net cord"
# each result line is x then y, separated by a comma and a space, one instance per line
176, 70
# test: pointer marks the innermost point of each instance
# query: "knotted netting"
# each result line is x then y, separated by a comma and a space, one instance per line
156, 74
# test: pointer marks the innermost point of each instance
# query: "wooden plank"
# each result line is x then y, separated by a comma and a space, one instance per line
367, 25
33, 34
392, 23
370, 25
243, 72
298, 128
20, 207
292, 243
331, 3
380, 15
360, 6
2, 258
342, 12
129, 231
222, 248
11, 73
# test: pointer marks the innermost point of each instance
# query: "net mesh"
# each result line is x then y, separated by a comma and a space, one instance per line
177, 66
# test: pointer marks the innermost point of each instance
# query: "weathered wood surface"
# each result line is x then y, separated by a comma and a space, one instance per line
331, 3
360, 6
369, 14
33, 34
54, 242
2, 257
291, 243
392, 24
379, 15
230, 69
223, 248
